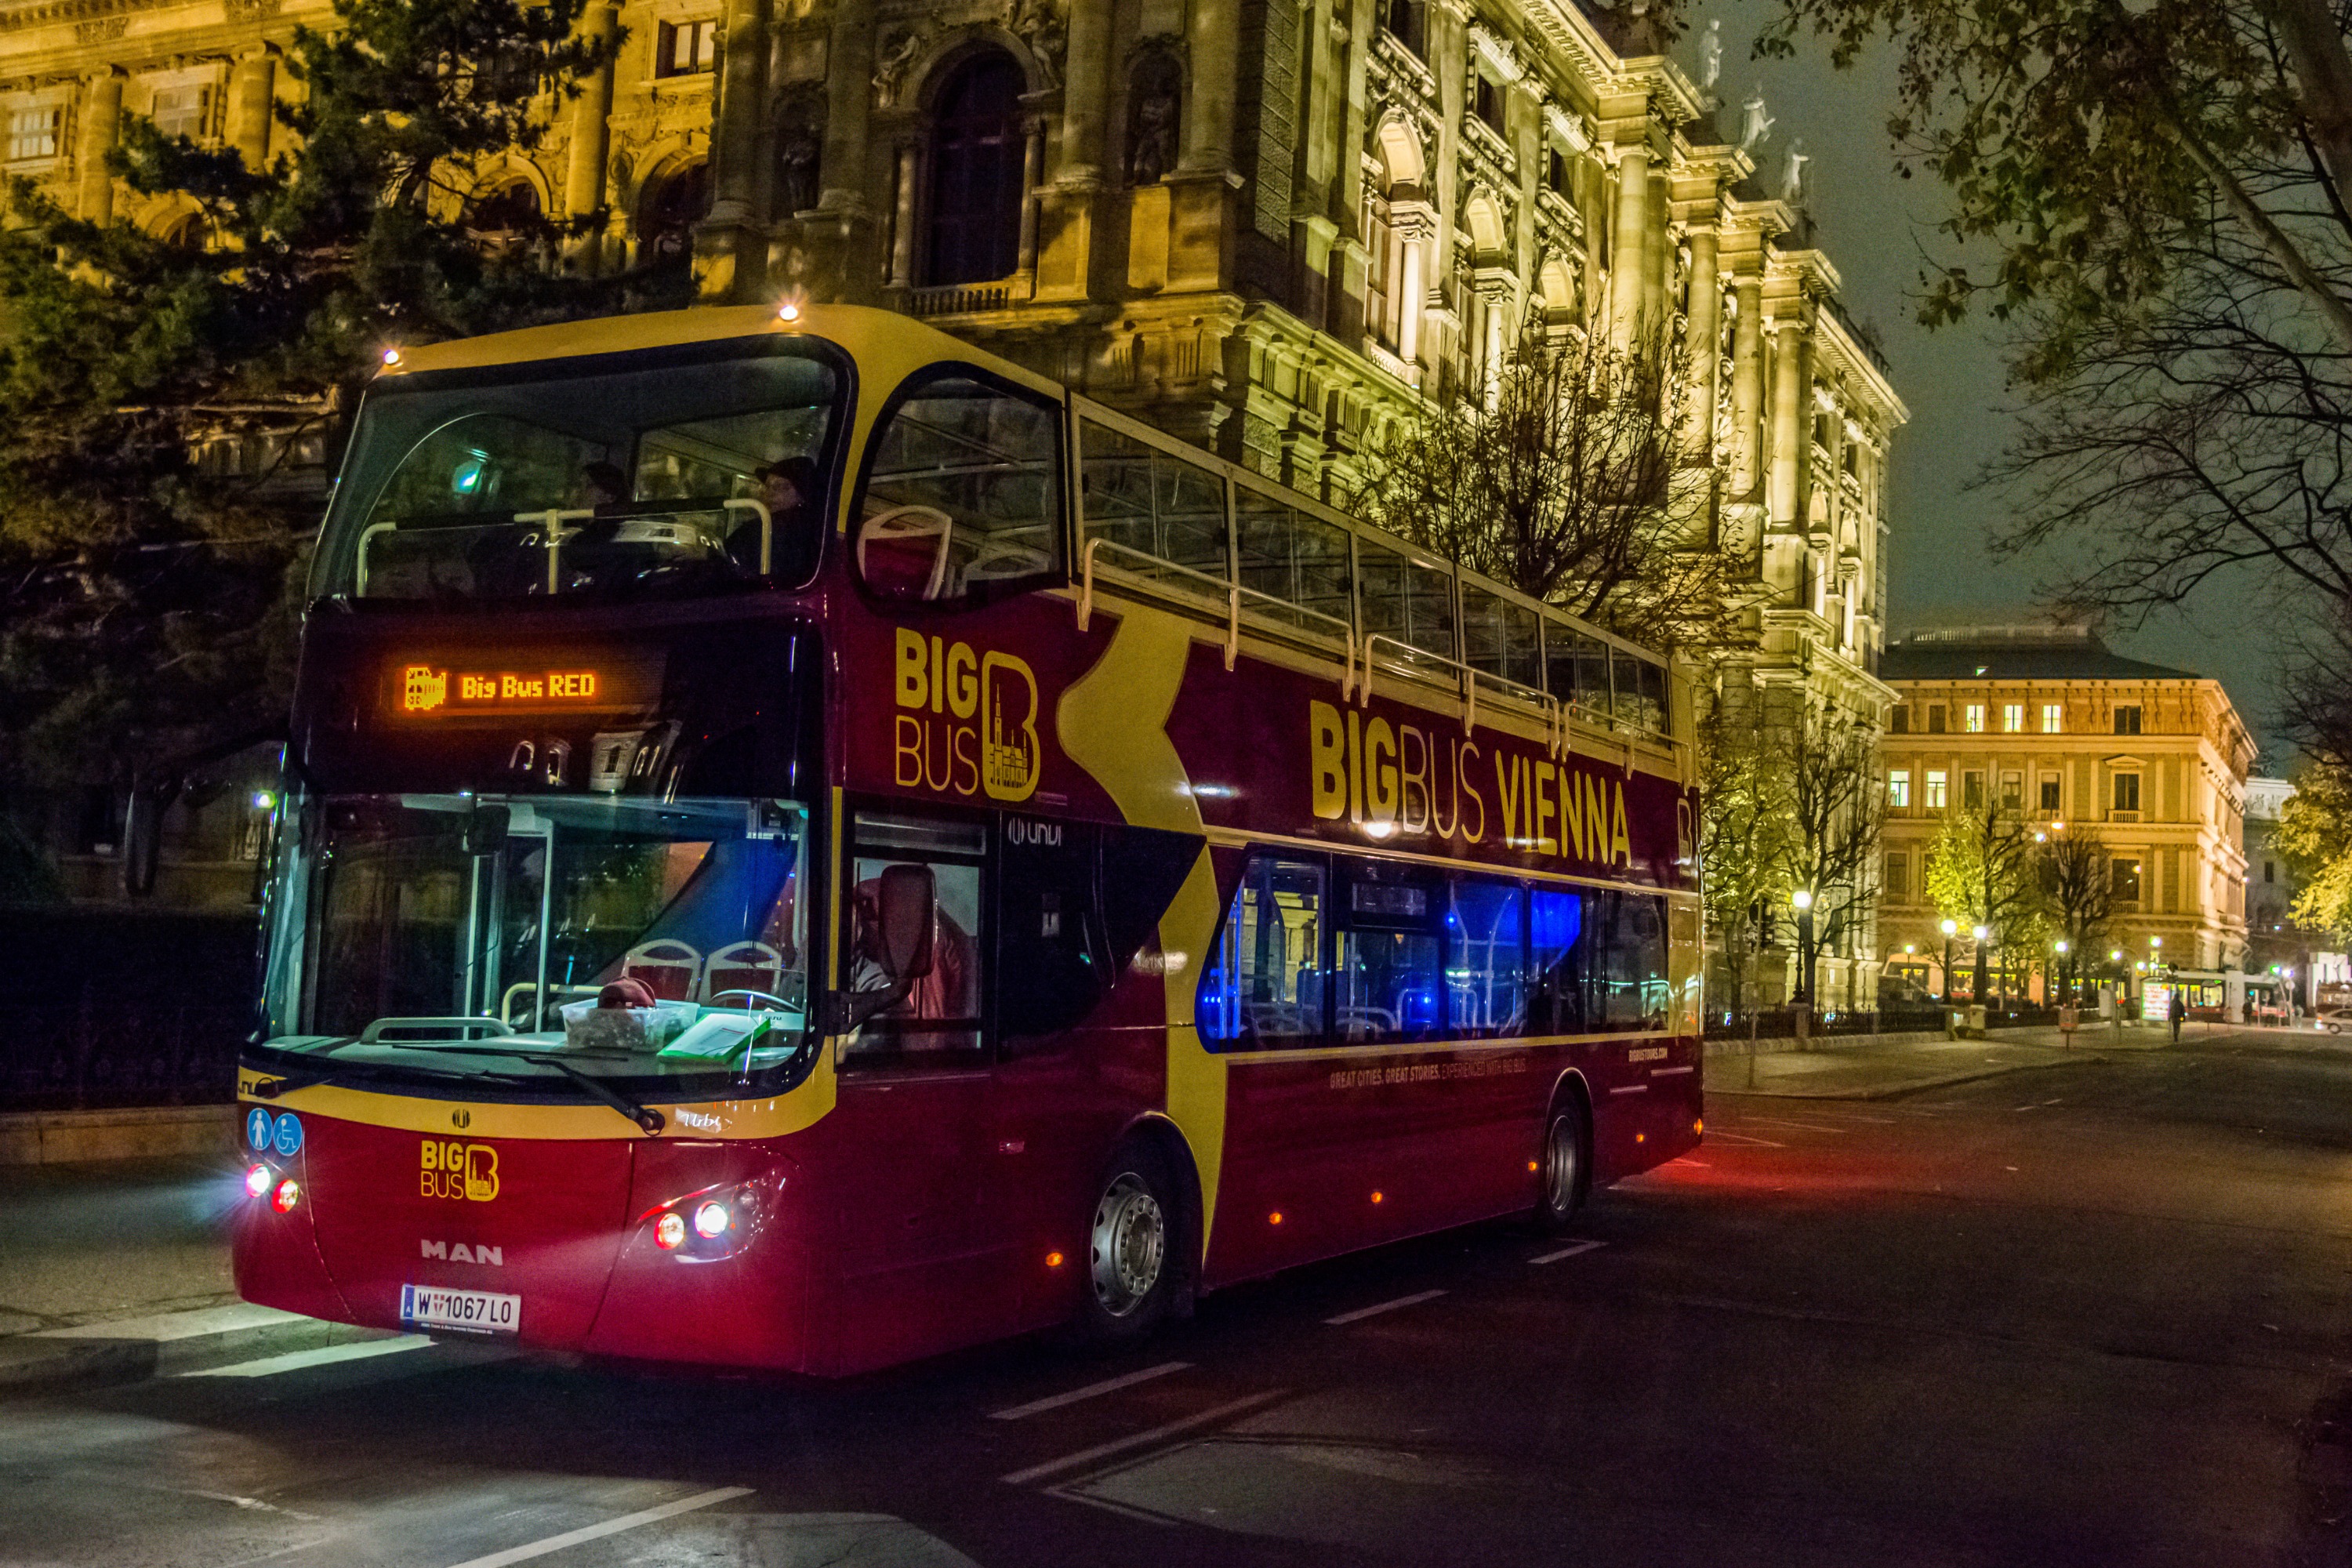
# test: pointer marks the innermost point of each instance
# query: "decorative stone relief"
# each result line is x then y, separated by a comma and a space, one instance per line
105, 30
901, 47
252, 10
1038, 23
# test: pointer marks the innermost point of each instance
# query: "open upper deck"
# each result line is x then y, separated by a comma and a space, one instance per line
1155, 518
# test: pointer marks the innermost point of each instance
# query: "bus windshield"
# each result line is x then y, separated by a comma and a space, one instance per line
624, 938
676, 472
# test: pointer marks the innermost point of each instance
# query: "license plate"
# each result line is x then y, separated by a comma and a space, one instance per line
467, 1312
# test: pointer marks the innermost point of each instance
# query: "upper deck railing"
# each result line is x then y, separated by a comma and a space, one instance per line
1214, 540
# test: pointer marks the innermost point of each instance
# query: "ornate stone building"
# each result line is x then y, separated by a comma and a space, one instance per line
1265, 224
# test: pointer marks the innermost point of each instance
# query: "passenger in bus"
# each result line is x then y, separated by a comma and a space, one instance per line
789, 490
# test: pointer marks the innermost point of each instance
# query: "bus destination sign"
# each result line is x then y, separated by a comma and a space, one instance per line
439, 688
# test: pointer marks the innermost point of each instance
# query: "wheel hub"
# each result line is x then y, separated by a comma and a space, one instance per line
1129, 1245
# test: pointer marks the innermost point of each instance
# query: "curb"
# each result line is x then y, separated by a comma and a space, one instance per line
134, 1350
1919, 1086
68, 1137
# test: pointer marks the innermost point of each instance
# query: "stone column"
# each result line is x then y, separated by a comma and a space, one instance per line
101, 129
1627, 267
902, 221
1213, 42
1707, 349
1412, 293
1033, 165
1086, 92
730, 254
1658, 255
1747, 383
591, 134
252, 105
1789, 433
849, 87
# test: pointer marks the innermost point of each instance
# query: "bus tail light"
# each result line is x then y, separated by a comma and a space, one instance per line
257, 1180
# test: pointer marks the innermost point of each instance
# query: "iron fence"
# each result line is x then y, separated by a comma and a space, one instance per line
106, 1054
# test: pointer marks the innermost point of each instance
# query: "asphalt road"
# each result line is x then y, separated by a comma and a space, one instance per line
2094, 1314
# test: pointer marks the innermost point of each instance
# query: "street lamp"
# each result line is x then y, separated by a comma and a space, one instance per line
2059, 947
1951, 930
1803, 901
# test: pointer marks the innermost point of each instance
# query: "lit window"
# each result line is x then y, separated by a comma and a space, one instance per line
1935, 792
2052, 717
687, 48
2012, 718
1898, 788
1973, 722
33, 134
2127, 792
180, 111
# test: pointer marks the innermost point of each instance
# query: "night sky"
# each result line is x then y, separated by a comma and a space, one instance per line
1878, 230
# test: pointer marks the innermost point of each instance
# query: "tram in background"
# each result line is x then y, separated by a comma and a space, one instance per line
805, 845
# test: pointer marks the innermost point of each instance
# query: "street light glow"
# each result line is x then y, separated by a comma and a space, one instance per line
1979, 932
1803, 898
2060, 945
1951, 928
2156, 942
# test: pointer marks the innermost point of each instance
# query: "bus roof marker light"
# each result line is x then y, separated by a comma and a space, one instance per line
789, 310
392, 359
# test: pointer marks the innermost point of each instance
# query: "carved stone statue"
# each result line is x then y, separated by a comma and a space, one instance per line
1710, 55
798, 147
1754, 123
1793, 173
891, 62
1154, 102
1040, 23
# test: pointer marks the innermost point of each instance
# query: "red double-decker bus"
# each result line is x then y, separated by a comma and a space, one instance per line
805, 845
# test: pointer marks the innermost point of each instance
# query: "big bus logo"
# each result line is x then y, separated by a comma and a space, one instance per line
967, 722
453, 1170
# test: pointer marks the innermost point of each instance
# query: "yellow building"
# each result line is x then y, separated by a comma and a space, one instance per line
2151, 760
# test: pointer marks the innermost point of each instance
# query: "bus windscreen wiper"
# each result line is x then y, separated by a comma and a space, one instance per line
652, 1121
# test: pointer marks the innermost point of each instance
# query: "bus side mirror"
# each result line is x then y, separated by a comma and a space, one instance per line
909, 908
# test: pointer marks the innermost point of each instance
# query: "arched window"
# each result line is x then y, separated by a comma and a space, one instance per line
510, 211
673, 205
975, 193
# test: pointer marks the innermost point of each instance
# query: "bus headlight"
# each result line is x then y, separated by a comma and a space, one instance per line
669, 1232
288, 1193
711, 1220
257, 1180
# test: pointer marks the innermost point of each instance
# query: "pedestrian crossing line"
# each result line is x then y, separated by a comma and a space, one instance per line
1092, 1390
1570, 1251
1118, 1445
610, 1527
1360, 1313
325, 1355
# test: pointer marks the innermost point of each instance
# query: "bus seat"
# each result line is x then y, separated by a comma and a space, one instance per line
903, 553
669, 969
743, 967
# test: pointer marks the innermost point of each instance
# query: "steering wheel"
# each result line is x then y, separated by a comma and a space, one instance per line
943, 527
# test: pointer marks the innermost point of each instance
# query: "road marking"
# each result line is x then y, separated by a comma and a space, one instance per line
610, 1527
1567, 1251
1109, 1386
325, 1355
1117, 1446
1360, 1313
1780, 1121
1740, 1140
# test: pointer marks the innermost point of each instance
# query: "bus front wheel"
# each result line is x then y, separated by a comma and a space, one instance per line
1564, 1166
1134, 1265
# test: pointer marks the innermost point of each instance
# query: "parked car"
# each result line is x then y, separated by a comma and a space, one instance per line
2332, 1020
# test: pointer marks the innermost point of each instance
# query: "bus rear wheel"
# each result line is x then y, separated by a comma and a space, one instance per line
1134, 1265
1564, 1166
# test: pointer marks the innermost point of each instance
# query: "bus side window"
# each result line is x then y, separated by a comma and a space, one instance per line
1486, 984
1049, 929
1263, 985
1629, 992
940, 1020
1389, 974
963, 495
1557, 959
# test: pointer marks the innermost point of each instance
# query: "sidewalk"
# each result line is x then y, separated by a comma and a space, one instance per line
1868, 1068
115, 1272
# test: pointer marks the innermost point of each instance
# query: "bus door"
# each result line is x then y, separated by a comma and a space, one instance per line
918, 1248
